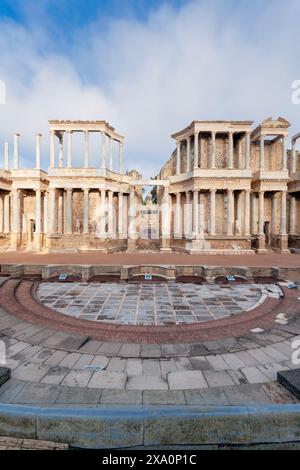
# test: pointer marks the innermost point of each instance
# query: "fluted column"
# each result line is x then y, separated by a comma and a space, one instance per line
230, 150
120, 215
230, 208
261, 213
247, 151
45, 212
60, 212
52, 149
165, 216
195, 213
196, 150
293, 159
69, 211
16, 151
283, 213
247, 213
120, 157
60, 152
292, 215
284, 154
253, 214
86, 149
213, 151
86, 211
273, 214
102, 213
110, 221
69, 156
1, 214
262, 152
6, 214
132, 214
212, 224
188, 154
38, 151
178, 157
178, 217
16, 211
6, 156
187, 218
38, 211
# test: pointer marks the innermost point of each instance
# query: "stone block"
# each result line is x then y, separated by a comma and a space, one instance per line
290, 379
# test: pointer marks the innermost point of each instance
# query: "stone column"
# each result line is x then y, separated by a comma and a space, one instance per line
247, 152
111, 231
273, 214
196, 150
240, 163
262, 153
247, 213
15, 219
16, 151
38, 152
102, 213
292, 215
178, 163
69, 156
253, 215
6, 214
293, 159
86, 149
230, 210
261, 213
111, 156
284, 154
195, 213
283, 213
69, 209
213, 151
178, 218
212, 222
120, 157
52, 149
1, 214
165, 221
131, 220
187, 228
230, 150
38, 211
45, 212
103, 151
60, 155
60, 212
6, 156
86, 211
188, 154
120, 215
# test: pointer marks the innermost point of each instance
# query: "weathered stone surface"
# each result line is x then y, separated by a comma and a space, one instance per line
290, 379
5, 374
184, 380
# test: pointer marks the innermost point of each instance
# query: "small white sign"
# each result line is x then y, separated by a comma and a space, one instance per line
62, 277
148, 277
230, 277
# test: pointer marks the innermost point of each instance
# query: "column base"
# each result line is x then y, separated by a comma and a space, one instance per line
15, 239
131, 245
38, 241
165, 246
283, 244
261, 248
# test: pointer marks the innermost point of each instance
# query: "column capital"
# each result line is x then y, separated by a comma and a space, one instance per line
68, 190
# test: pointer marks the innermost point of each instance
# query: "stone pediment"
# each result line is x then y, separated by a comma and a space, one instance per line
279, 122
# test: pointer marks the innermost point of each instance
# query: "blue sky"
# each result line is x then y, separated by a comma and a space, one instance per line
147, 67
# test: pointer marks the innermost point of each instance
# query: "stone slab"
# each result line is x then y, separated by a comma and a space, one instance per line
5, 374
290, 379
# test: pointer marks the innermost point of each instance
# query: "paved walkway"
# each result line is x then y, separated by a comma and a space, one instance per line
262, 260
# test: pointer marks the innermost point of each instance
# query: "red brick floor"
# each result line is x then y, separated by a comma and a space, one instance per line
261, 260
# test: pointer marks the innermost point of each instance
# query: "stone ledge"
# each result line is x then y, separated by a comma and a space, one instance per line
5, 374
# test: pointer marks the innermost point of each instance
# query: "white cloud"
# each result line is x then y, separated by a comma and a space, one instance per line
150, 79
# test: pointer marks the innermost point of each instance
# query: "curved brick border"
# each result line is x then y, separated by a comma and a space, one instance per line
18, 298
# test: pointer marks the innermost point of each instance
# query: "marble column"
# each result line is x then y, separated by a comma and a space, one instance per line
292, 214
1, 214
247, 213
102, 213
283, 213
187, 225
240, 162
120, 215
6, 214
230, 211
69, 155
178, 158
45, 212
120, 157
132, 214
16, 151
253, 214
60, 212
16, 211
247, 152
86, 211
110, 222
178, 217
86, 149
52, 149
262, 153
188, 154
103, 151
38, 211
196, 150
293, 159
60, 154
284, 154
213, 151
69, 210
111, 155
273, 214
165, 217
261, 213
195, 213
212, 223
230, 150
6, 156
38, 151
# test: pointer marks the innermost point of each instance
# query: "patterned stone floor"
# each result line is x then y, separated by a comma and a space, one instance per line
152, 304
